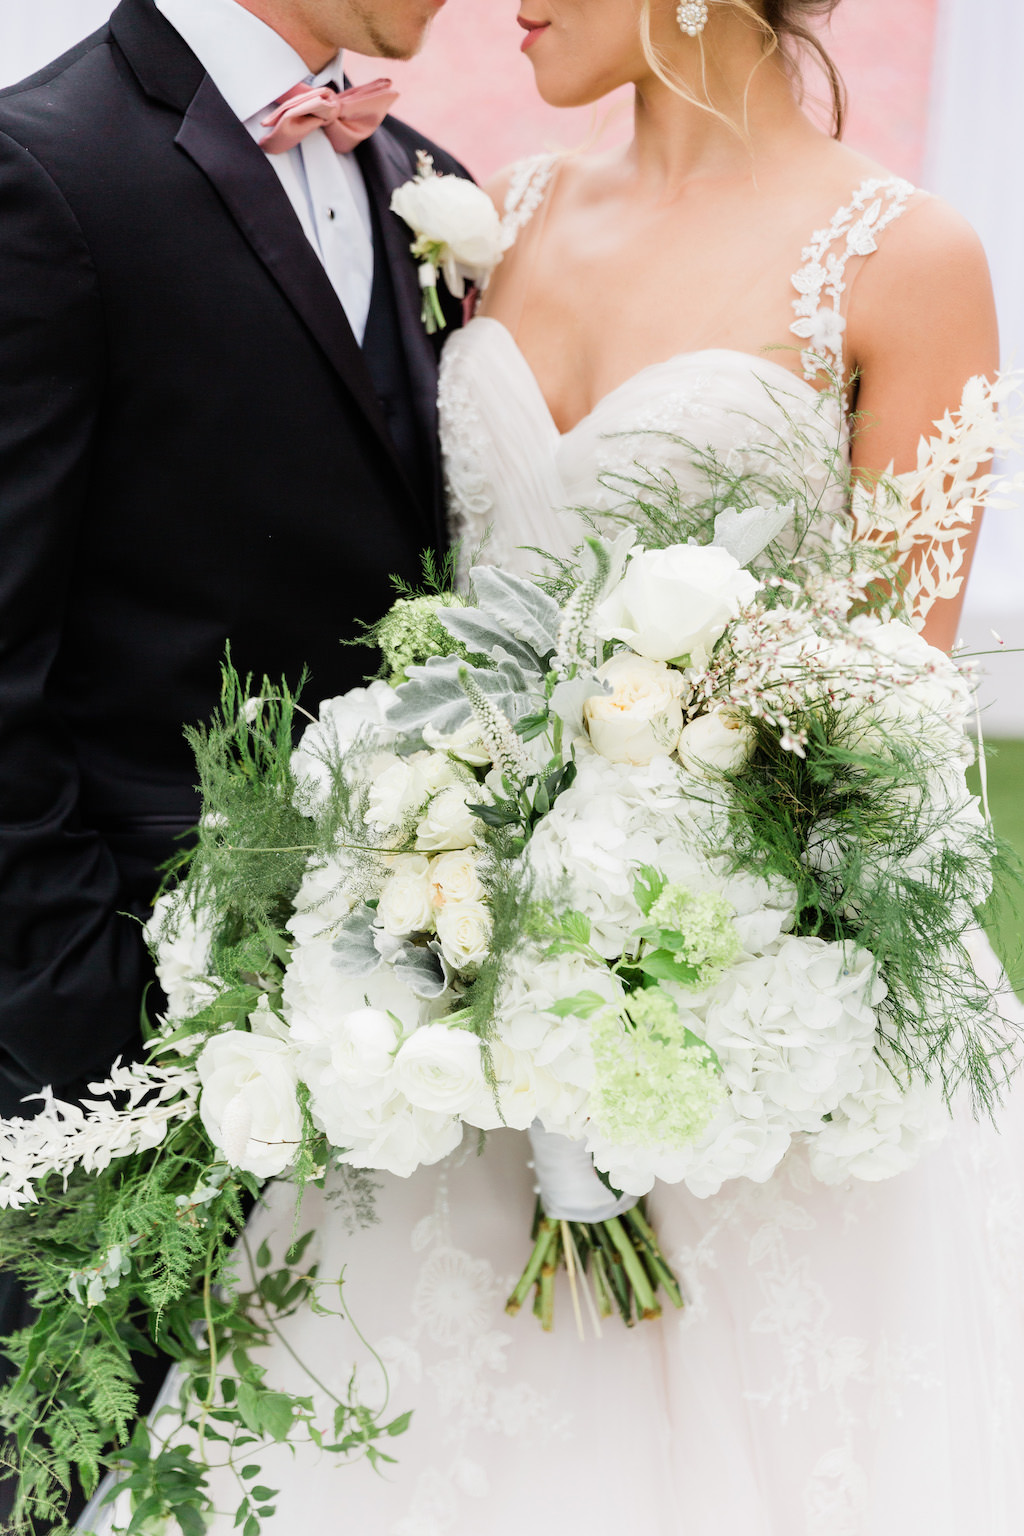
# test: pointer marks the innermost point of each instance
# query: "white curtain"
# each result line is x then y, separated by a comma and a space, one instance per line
975, 132
34, 31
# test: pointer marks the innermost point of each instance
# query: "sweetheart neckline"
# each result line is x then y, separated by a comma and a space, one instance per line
677, 357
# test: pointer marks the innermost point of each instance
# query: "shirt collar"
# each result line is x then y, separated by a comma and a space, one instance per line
249, 63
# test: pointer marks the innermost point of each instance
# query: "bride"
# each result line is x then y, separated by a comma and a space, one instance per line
850, 1361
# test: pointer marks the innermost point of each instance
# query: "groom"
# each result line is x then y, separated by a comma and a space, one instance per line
217, 422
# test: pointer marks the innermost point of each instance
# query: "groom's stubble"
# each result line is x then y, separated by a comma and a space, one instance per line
317, 29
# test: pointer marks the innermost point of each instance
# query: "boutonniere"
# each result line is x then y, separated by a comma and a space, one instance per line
458, 234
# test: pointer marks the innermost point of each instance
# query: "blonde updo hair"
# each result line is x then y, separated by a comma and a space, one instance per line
787, 30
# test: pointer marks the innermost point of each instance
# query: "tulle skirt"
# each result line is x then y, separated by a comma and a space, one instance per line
850, 1361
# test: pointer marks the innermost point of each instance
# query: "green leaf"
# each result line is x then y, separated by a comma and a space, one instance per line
664, 967
263, 1255
582, 1006
249, 1471
251, 1527
532, 726
400, 1425
276, 1414
249, 1406
261, 1494
297, 1249
647, 887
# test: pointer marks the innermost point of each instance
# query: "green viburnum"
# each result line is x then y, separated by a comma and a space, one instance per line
698, 929
656, 1083
411, 632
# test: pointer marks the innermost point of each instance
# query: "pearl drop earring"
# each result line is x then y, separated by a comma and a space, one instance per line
692, 16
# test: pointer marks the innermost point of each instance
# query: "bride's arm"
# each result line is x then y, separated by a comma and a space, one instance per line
921, 321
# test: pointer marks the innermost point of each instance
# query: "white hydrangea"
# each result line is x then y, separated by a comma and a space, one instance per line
882, 1128
793, 1029
328, 893
359, 715
181, 937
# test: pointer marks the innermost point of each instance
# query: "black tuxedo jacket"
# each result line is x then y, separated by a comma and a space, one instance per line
192, 450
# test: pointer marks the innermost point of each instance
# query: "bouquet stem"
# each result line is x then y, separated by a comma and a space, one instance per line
620, 1259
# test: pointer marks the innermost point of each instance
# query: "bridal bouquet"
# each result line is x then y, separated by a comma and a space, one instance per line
666, 855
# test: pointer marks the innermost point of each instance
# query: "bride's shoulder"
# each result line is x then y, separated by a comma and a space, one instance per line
923, 234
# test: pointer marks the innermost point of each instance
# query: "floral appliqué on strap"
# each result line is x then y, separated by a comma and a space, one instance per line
821, 281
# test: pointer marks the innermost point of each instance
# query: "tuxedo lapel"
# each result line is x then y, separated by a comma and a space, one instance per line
218, 143
385, 166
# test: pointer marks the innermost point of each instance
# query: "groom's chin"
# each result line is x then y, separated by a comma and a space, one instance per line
398, 31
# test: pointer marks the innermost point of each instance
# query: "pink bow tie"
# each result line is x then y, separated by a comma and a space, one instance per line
347, 117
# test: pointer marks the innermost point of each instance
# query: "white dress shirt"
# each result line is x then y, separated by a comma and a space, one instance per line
252, 66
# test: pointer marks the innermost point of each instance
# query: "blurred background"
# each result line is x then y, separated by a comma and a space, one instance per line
935, 92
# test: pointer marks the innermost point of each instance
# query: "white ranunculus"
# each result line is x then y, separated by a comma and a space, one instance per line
642, 716
515, 1104
248, 1104
448, 822
441, 1069
397, 790
464, 929
406, 900
455, 877
465, 743
718, 740
675, 602
402, 1138
457, 216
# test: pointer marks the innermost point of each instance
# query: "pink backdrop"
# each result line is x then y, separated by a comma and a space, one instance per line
473, 91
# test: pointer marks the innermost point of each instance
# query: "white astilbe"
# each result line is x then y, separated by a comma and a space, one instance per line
925, 514
90, 1135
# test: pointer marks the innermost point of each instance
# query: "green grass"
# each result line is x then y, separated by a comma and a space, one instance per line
1005, 916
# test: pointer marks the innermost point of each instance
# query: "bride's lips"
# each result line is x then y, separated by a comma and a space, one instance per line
533, 30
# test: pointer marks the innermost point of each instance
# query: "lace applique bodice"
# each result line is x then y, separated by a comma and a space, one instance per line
516, 484
821, 281
527, 184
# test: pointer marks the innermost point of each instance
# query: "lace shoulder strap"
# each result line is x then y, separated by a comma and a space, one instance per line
821, 281
526, 188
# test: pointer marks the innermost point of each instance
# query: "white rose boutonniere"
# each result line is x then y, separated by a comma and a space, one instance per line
458, 234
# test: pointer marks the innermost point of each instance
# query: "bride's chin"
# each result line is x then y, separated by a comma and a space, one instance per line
560, 90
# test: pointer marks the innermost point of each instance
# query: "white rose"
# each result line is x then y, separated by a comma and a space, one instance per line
440, 1069
465, 743
248, 1104
454, 877
716, 740
675, 602
464, 929
448, 821
406, 901
457, 215
642, 717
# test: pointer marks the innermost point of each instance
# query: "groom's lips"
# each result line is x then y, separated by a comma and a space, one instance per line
533, 29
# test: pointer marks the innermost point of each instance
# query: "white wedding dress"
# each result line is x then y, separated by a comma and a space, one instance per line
851, 1360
